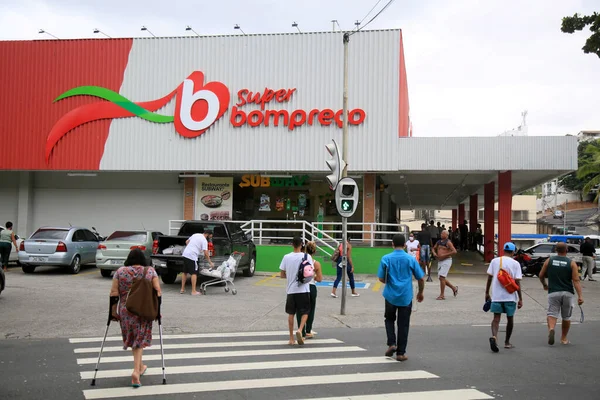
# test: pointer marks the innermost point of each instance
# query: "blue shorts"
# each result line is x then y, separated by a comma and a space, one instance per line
425, 257
504, 307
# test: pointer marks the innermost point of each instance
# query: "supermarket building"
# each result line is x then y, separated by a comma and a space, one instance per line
132, 133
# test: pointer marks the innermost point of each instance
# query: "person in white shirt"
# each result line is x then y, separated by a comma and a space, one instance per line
503, 302
413, 247
298, 294
196, 245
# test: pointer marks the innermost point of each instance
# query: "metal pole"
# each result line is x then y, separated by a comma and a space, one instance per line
345, 172
565, 218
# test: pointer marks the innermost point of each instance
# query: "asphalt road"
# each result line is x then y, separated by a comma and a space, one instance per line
445, 362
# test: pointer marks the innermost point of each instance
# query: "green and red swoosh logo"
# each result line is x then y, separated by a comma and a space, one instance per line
117, 106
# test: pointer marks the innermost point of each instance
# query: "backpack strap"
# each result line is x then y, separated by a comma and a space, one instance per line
501, 262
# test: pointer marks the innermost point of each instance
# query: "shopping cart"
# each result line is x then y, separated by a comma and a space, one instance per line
223, 272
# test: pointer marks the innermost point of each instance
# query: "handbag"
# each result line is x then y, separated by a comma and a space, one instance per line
142, 299
506, 280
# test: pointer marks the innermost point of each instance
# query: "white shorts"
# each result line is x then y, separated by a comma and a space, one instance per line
444, 267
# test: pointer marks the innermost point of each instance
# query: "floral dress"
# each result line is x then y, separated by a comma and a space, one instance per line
136, 331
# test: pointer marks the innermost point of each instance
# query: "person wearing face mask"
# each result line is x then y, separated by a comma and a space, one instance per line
413, 247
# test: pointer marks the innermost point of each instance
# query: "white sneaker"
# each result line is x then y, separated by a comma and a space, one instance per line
334, 295
355, 295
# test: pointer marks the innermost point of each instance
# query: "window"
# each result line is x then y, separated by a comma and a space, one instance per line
520, 215
79, 236
89, 236
56, 234
236, 232
128, 236
517, 215
425, 214
543, 248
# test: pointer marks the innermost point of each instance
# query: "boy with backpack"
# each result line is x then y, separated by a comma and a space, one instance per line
296, 268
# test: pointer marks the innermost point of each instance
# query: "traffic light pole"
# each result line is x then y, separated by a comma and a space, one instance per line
345, 173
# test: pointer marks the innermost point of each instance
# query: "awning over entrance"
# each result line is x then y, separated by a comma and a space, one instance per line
439, 173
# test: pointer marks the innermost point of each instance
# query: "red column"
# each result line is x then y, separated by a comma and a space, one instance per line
488, 221
504, 209
461, 213
473, 210
454, 218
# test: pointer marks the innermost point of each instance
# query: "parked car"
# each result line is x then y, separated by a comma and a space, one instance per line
14, 254
548, 249
227, 238
112, 252
62, 247
558, 214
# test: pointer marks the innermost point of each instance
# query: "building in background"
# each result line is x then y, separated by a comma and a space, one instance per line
523, 216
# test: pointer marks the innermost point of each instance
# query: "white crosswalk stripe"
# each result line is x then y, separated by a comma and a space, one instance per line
207, 363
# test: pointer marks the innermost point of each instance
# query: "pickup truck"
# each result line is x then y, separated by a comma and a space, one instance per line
227, 238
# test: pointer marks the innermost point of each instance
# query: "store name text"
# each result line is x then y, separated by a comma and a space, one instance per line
267, 181
292, 119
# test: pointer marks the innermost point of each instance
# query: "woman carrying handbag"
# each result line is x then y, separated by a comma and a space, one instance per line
137, 307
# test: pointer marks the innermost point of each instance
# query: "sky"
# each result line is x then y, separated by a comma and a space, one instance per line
473, 66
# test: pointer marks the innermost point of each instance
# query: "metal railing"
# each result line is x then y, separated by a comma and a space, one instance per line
283, 231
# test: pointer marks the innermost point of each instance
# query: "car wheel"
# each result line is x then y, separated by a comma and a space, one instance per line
28, 269
249, 272
75, 265
169, 277
105, 273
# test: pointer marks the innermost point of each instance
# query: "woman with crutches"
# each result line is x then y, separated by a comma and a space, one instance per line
136, 331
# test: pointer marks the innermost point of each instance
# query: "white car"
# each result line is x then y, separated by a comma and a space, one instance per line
14, 254
558, 214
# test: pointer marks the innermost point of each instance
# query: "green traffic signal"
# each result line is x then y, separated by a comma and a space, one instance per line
347, 205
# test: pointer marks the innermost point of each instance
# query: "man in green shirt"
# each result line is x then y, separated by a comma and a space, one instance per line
563, 275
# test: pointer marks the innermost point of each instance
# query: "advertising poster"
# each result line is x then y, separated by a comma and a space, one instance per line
214, 199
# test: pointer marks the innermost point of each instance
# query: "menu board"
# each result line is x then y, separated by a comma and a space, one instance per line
214, 199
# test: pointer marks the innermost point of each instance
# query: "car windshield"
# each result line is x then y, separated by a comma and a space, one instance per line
128, 236
198, 227
56, 234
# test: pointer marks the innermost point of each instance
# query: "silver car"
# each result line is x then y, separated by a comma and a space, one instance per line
63, 247
113, 252
548, 249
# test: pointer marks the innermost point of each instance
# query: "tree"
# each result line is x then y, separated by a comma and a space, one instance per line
572, 182
589, 167
577, 23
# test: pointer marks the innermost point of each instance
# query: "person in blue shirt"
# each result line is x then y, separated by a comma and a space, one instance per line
396, 271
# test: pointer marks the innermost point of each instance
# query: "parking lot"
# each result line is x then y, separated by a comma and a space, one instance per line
51, 303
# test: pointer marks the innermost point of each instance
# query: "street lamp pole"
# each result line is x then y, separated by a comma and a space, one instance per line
345, 172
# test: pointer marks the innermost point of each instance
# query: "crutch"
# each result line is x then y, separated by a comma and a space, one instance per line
113, 300
162, 353
429, 272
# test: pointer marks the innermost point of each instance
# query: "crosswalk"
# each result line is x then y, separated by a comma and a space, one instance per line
254, 365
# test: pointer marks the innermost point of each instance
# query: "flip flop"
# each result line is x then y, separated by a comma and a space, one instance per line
144, 371
334, 295
455, 291
441, 298
494, 345
355, 295
509, 346
299, 338
565, 343
551, 337
181, 291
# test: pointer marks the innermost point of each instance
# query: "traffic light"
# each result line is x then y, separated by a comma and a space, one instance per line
335, 164
346, 197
